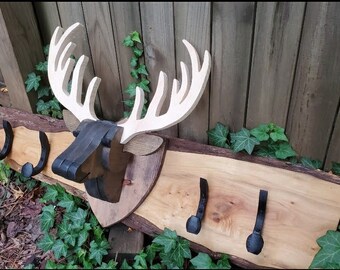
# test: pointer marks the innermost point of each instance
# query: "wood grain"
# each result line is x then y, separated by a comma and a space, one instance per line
125, 19
48, 18
316, 91
70, 13
302, 203
232, 29
103, 51
159, 47
20, 51
193, 23
333, 154
276, 43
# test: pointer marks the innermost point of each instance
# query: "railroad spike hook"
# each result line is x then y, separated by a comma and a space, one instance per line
8, 141
28, 170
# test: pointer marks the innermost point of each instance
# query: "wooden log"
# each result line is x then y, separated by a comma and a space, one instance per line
302, 203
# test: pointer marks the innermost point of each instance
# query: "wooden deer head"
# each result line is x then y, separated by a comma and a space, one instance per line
96, 156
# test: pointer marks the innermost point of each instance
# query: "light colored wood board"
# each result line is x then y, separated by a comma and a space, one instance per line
48, 18
159, 47
232, 28
300, 207
28, 150
193, 23
103, 51
20, 51
316, 89
333, 154
125, 19
275, 48
70, 13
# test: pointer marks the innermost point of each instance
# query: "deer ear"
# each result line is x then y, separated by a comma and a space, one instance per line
70, 120
143, 144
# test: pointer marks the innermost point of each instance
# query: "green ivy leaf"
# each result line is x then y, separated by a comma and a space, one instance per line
71, 238
41, 66
311, 163
284, 151
144, 85
98, 233
63, 228
134, 61
137, 52
135, 36
50, 194
97, 252
202, 261
242, 140
46, 242
83, 235
67, 203
278, 134
142, 70
151, 251
44, 91
87, 265
46, 221
264, 151
54, 104
78, 218
110, 265
223, 263
128, 42
140, 261
156, 266
32, 82
131, 89
329, 253
125, 265
134, 73
129, 102
60, 249
260, 132
218, 135
167, 240
93, 220
46, 49
336, 168
176, 257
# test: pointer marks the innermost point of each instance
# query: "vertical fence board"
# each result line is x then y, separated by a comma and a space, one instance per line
125, 19
333, 154
231, 51
100, 34
316, 88
276, 42
20, 51
158, 35
70, 13
192, 22
48, 17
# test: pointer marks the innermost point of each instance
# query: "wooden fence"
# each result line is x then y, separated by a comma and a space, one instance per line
271, 61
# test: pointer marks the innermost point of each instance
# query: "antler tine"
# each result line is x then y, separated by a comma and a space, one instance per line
183, 99
60, 66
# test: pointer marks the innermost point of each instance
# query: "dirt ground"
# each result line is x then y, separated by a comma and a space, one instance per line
20, 227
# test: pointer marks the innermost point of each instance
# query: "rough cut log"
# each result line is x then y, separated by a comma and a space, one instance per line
302, 203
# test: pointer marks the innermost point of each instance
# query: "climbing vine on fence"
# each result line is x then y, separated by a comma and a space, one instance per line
138, 72
37, 81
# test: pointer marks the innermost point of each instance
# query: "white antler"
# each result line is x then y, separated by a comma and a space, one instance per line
183, 100
60, 67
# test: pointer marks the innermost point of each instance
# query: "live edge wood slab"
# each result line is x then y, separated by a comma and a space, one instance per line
302, 203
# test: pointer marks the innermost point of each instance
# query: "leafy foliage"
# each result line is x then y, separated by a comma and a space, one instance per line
37, 81
138, 72
328, 257
336, 168
76, 238
170, 251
